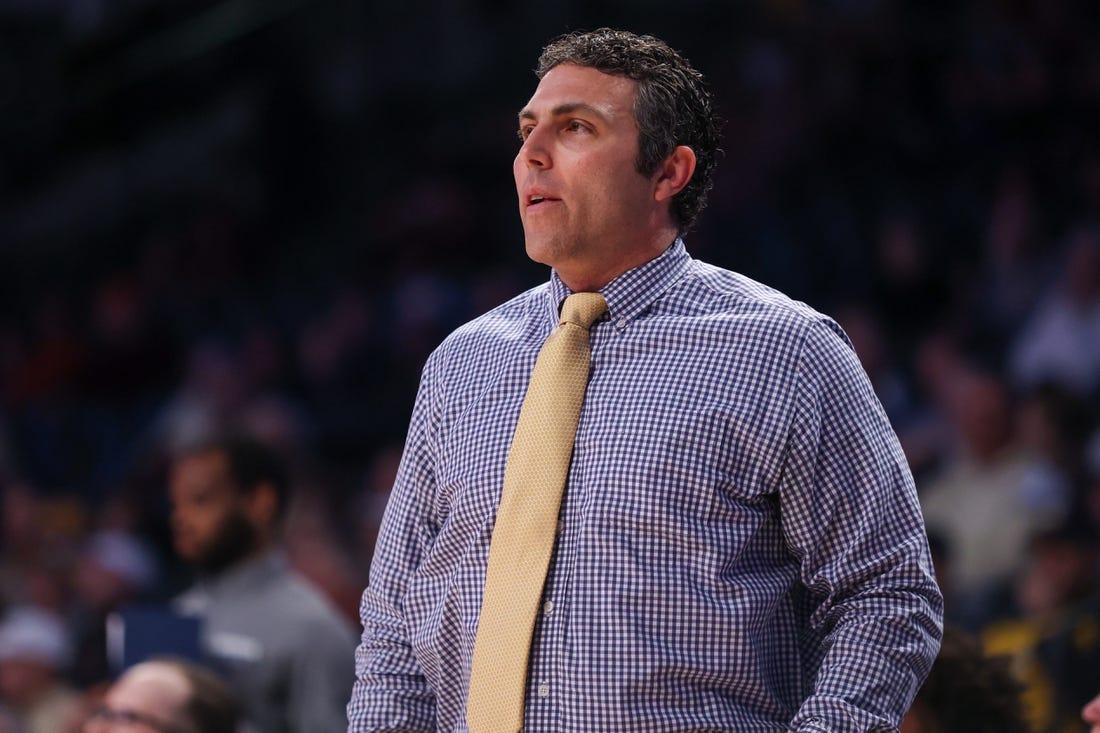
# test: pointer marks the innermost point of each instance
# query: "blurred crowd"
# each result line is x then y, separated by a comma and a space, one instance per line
262, 216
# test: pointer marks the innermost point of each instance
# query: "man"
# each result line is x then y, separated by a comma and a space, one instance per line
287, 653
739, 546
167, 696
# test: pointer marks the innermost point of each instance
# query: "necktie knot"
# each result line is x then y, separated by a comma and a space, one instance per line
582, 309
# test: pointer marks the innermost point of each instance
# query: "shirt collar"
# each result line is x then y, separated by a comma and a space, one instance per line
631, 293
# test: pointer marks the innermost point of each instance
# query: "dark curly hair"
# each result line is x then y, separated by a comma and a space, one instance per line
969, 692
672, 105
251, 463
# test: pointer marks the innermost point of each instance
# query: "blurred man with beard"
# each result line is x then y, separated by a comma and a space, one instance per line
285, 651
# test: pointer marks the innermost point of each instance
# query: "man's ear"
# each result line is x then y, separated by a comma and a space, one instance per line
262, 505
675, 172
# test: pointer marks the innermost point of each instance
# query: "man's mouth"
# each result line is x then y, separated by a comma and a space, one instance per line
536, 199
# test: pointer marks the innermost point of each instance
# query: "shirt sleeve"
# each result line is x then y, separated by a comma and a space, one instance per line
390, 691
850, 513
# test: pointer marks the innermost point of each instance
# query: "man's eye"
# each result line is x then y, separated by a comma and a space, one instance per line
576, 126
523, 132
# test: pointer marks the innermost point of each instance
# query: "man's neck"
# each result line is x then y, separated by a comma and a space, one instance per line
587, 277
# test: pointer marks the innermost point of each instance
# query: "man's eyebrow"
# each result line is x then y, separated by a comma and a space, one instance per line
566, 108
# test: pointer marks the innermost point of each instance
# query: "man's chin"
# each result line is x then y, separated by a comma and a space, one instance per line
188, 553
544, 250
234, 541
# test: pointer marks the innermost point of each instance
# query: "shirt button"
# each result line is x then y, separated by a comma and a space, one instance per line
544, 690
621, 323
548, 607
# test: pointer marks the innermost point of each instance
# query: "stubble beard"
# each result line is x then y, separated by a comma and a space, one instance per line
549, 248
234, 541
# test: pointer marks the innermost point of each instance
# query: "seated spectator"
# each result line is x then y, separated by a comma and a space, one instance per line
1051, 639
169, 696
1061, 341
112, 571
34, 652
989, 500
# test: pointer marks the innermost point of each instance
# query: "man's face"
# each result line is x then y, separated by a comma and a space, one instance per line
584, 206
209, 525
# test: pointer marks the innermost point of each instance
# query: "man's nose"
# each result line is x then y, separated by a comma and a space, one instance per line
535, 152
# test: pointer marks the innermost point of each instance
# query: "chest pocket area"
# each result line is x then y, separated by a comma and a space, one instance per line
475, 449
675, 464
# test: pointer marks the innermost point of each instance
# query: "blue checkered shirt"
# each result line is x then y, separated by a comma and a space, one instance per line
740, 546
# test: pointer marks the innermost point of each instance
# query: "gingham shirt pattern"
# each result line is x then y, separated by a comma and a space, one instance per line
740, 545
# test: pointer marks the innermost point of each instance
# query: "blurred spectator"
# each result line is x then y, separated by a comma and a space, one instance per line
1052, 426
21, 535
966, 692
113, 570
989, 499
166, 695
287, 653
1061, 341
929, 439
1051, 637
34, 653
1061, 572
37, 536
1017, 267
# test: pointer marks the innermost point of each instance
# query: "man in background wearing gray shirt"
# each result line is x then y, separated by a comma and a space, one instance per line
286, 653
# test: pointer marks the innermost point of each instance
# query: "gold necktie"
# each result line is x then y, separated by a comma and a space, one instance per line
526, 524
